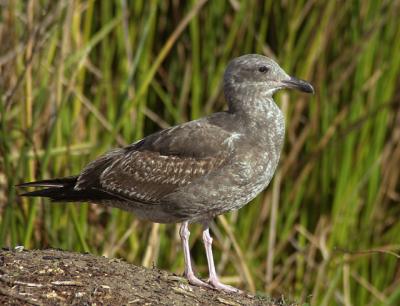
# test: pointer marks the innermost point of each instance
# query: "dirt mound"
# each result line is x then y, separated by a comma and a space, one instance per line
52, 277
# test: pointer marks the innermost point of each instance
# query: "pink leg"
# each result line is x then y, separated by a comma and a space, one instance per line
184, 233
213, 279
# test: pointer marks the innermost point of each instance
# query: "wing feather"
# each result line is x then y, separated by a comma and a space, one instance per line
148, 176
159, 164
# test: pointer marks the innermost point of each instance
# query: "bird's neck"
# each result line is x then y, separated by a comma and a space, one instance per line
252, 103
256, 111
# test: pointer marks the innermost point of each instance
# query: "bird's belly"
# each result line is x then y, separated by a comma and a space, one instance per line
150, 212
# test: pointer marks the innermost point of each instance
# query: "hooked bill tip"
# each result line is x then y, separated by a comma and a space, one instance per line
299, 85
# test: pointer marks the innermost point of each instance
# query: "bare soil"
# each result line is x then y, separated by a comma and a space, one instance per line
55, 277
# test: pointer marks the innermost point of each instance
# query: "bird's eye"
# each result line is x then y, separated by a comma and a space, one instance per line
263, 69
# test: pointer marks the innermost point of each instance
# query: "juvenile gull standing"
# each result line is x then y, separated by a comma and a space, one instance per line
198, 170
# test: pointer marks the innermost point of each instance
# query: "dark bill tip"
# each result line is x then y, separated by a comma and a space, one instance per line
299, 84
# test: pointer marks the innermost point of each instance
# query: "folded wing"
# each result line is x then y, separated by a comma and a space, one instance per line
158, 165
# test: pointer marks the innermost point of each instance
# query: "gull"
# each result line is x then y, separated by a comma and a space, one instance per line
197, 170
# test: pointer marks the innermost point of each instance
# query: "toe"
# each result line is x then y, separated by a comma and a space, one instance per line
216, 284
193, 280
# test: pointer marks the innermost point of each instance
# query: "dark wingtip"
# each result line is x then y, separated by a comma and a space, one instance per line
36, 193
38, 184
29, 184
58, 182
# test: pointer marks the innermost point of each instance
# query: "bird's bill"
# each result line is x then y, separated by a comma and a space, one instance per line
298, 84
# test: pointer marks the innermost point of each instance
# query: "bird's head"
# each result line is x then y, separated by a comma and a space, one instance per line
262, 74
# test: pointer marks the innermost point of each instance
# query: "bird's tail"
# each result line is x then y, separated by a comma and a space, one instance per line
62, 189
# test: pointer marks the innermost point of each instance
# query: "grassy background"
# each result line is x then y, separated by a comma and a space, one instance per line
80, 77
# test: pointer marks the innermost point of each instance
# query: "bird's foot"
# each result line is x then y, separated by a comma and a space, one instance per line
193, 280
217, 285
212, 283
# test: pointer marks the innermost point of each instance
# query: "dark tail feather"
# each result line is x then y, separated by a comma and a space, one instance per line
54, 192
58, 182
62, 189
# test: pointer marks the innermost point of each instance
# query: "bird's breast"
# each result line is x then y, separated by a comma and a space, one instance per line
259, 157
